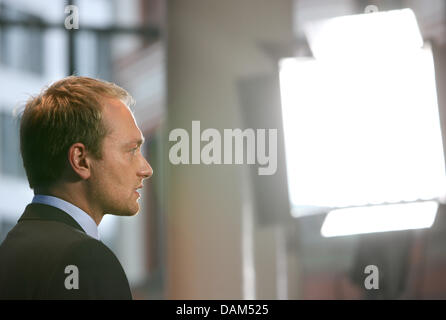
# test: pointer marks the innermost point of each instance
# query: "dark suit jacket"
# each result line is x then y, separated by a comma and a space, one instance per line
36, 252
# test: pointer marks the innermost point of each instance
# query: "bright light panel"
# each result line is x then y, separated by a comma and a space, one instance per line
362, 131
342, 222
377, 34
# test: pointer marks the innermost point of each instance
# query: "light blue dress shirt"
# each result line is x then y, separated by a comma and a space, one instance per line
82, 218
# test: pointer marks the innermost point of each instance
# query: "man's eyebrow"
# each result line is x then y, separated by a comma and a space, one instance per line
138, 142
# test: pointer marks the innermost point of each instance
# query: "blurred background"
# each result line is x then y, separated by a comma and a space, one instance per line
355, 89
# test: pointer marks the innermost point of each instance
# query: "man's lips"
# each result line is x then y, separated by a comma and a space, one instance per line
136, 190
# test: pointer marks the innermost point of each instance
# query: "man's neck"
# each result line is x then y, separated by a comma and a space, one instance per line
75, 197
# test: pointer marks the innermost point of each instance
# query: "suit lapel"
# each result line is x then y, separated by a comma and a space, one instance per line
38, 211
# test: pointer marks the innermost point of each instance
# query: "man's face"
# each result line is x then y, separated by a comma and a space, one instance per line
116, 177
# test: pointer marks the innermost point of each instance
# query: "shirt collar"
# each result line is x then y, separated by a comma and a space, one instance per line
82, 218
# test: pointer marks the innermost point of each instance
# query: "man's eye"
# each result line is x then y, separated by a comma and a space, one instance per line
134, 150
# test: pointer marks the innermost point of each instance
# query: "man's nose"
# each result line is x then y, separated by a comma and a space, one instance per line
147, 170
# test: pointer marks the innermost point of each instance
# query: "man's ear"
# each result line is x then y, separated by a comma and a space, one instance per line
79, 161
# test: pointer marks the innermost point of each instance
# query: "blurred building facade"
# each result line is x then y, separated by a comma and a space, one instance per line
209, 232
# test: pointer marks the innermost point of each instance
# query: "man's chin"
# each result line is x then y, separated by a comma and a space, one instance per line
133, 211
127, 212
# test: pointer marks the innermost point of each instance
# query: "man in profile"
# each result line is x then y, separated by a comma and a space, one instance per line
81, 150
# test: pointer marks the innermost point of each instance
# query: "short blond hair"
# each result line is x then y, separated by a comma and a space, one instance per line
66, 112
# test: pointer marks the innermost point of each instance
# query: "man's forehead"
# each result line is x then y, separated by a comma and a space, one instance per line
120, 120
113, 107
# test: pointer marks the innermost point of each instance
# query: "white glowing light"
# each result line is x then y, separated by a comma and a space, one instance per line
342, 222
363, 130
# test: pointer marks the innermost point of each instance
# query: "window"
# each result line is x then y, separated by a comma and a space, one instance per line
10, 158
21, 48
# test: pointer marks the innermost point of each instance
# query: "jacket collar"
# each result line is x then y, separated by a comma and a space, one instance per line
38, 211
